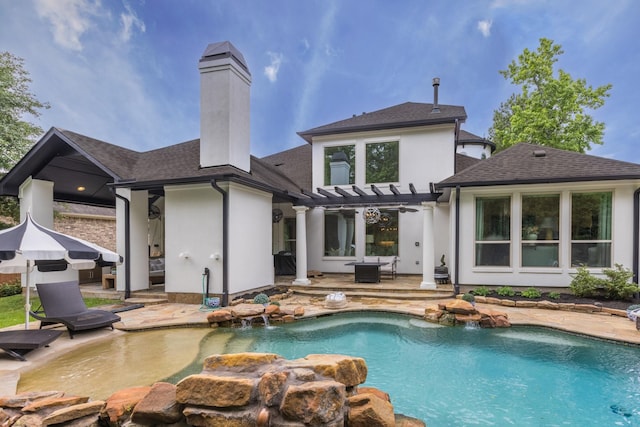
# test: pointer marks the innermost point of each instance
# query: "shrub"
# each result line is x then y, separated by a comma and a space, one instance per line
617, 286
554, 295
261, 299
10, 288
275, 303
505, 291
482, 291
468, 298
584, 284
531, 293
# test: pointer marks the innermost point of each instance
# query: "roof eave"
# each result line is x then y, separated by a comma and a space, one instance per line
536, 181
308, 135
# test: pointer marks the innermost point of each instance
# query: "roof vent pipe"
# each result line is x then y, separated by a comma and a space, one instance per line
436, 83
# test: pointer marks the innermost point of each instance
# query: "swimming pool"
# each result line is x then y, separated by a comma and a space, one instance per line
449, 376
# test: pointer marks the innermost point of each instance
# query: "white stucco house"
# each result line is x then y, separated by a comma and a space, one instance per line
404, 181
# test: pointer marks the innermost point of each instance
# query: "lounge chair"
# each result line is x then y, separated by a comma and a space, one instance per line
17, 343
62, 303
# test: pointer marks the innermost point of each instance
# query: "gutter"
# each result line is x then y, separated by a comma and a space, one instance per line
127, 244
225, 242
636, 226
456, 266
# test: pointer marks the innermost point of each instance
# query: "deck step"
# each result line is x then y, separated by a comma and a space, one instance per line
145, 300
363, 291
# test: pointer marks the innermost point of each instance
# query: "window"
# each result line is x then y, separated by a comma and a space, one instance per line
493, 231
339, 165
591, 229
540, 232
339, 236
290, 235
382, 162
382, 237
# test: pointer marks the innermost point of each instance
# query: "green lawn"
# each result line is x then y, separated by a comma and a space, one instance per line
12, 308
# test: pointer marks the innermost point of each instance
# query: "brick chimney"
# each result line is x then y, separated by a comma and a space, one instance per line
225, 83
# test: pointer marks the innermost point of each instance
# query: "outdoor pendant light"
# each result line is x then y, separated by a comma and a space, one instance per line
371, 215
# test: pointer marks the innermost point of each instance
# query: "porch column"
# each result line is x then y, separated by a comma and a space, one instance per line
36, 197
428, 251
301, 246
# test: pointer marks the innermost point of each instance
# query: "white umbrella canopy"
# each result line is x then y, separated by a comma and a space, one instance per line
26, 244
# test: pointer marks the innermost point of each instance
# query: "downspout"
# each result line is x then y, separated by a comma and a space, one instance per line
127, 245
225, 242
456, 267
636, 227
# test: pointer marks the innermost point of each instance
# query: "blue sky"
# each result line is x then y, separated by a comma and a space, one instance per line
125, 71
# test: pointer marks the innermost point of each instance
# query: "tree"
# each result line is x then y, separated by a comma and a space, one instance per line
16, 101
16, 134
550, 110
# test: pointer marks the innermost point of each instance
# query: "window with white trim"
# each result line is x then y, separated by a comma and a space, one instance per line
493, 231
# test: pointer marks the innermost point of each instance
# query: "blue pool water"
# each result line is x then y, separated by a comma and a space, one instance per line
457, 376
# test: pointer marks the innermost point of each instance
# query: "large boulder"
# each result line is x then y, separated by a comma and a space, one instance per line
369, 410
159, 406
315, 403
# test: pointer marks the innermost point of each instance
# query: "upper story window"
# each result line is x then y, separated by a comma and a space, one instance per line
493, 231
340, 165
382, 162
591, 229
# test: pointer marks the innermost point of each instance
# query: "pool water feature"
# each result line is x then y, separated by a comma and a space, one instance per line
449, 376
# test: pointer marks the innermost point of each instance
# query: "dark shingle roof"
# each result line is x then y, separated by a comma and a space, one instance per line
465, 137
409, 114
294, 163
463, 162
520, 165
117, 159
176, 163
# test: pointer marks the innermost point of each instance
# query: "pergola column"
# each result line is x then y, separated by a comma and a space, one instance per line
428, 251
301, 246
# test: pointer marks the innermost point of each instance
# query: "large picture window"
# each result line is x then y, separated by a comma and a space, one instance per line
339, 233
591, 229
382, 162
493, 231
339, 165
382, 237
540, 230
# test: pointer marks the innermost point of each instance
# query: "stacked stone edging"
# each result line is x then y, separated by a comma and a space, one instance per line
549, 305
236, 390
460, 312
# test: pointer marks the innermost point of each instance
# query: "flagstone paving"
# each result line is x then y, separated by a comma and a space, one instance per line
599, 325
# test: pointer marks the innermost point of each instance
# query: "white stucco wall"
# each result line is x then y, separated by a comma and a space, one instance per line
515, 275
193, 233
475, 150
250, 240
426, 155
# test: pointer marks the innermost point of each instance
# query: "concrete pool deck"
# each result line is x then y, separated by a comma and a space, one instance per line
600, 325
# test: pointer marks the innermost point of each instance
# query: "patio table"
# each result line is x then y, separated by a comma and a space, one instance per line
367, 272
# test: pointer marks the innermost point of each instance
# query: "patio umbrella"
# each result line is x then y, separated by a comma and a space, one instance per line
26, 245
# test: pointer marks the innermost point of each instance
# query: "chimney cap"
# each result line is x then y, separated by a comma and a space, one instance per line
224, 49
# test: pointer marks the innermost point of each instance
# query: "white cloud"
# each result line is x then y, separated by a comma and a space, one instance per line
484, 27
271, 70
69, 19
130, 21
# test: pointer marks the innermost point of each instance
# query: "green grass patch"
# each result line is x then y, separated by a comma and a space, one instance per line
12, 308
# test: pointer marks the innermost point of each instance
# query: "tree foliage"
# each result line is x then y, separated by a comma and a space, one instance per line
16, 101
550, 110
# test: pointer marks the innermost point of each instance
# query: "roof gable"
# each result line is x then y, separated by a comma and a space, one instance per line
526, 163
409, 114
